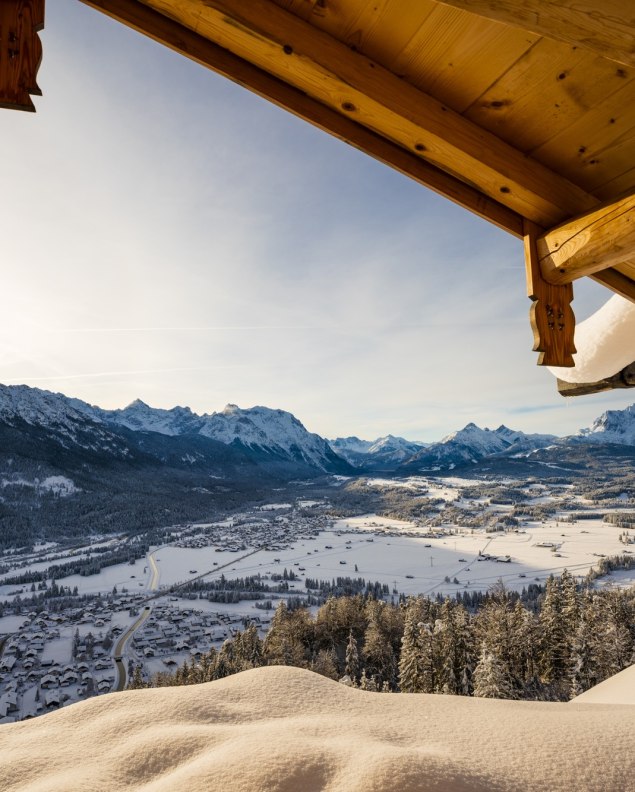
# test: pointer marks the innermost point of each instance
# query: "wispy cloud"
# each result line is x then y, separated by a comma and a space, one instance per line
178, 239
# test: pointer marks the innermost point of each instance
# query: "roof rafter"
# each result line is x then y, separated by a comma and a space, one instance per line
617, 282
349, 83
598, 25
303, 69
186, 42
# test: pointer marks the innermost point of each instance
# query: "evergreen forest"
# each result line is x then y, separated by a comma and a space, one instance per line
548, 647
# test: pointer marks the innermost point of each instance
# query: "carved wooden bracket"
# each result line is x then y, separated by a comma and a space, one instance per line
552, 319
20, 52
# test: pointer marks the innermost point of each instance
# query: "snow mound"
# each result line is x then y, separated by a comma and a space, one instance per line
618, 689
605, 343
283, 729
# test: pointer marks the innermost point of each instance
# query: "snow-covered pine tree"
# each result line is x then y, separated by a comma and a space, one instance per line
137, 682
368, 683
352, 658
554, 644
378, 654
411, 659
490, 677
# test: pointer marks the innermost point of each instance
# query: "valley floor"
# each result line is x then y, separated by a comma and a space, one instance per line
55, 653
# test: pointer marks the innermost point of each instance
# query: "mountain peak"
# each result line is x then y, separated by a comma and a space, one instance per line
613, 426
137, 404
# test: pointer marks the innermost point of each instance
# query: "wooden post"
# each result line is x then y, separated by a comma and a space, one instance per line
20, 52
552, 319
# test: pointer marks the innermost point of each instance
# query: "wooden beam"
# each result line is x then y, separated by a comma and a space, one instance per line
606, 27
590, 243
181, 39
351, 84
20, 52
617, 282
551, 317
623, 379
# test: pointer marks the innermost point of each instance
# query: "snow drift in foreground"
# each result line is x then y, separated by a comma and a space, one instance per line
283, 729
605, 343
618, 689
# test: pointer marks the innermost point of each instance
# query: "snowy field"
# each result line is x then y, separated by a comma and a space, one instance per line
415, 565
394, 552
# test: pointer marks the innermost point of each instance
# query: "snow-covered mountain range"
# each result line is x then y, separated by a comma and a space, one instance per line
471, 444
263, 436
275, 433
262, 433
385, 452
68, 468
613, 426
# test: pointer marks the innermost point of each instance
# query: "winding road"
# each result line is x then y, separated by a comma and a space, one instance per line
125, 636
153, 586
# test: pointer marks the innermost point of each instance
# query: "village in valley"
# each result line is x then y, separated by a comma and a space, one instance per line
173, 594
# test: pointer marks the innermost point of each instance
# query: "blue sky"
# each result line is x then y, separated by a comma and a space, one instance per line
172, 237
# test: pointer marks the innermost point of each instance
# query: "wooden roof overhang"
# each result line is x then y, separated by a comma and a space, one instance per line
522, 111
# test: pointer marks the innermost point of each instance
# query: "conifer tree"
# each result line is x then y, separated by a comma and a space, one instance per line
325, 664
411, 659
136, 683
378, 654
554, 653
368, 682
352, 658
490, 677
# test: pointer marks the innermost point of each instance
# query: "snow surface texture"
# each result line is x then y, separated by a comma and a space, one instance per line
283, 729
618, 689
605, 343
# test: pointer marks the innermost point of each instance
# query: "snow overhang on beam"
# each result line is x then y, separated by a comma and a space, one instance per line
20, 52
606, 351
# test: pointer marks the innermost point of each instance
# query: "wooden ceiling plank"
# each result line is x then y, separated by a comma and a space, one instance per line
335, 18
188, 43
446, 60
547, 90
606, 27
348, 82
598, 147
384, 27
627, 268
588, 244
617, 185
